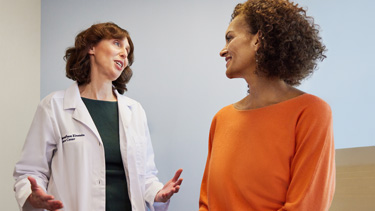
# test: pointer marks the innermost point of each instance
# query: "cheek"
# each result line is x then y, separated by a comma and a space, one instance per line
111, 53
232, 48
105, 54
126, 63
108, 52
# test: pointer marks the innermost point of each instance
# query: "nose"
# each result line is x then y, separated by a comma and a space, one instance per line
123, 53
224, 52
124, 56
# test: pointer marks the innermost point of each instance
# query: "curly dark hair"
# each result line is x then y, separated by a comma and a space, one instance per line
78, 60
290, 45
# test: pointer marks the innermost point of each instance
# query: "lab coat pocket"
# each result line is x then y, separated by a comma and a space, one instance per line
141, 154
73, 151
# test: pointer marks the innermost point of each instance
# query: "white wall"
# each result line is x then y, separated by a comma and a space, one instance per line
20, 84
179, 77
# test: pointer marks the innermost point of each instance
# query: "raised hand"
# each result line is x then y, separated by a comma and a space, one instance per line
39, 199
170, 188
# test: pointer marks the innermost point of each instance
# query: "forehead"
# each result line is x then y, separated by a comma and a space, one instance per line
238, 24
125, 41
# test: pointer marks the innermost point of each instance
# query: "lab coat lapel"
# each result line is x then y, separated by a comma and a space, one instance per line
125, 114
72, 100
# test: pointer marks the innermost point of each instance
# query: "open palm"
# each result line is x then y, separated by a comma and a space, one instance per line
170, 188
39, 199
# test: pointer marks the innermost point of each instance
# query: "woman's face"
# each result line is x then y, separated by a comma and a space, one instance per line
109, 58
239, 50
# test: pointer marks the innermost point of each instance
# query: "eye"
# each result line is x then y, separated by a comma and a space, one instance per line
228, 38
117, 43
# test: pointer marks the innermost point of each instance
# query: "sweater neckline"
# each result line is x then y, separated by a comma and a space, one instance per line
273, 105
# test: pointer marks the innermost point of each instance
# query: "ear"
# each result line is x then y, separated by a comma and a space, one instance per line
257, 38
91, 50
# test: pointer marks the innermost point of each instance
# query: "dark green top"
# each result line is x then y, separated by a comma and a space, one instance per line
106, 119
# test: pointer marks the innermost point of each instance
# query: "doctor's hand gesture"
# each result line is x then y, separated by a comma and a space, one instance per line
170, 188
39, 199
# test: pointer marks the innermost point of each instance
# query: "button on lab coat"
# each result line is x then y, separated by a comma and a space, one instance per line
63, 151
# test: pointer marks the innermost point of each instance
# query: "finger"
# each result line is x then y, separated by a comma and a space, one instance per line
177, 188
54, 205
47, 198
33, 183
179, 182
173, 191
177, 175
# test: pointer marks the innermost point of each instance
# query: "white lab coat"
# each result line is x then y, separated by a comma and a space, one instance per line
63, 151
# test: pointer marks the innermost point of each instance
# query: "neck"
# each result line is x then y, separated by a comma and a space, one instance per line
98, 91
265, 87
265, 91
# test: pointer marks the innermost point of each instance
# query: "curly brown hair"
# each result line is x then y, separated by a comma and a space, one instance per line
290, 45
78, 60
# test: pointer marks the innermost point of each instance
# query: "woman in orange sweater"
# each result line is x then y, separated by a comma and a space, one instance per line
272, 150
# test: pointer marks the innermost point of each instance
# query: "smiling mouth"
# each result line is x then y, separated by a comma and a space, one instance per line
120, 64
227, 59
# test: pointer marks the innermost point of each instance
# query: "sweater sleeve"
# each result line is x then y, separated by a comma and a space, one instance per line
312, 181
203, 200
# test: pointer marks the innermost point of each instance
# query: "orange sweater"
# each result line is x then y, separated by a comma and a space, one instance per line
280, 157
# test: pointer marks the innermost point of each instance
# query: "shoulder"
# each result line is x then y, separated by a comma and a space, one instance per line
49, 100
315, 104
129, 101
314, 110
130, 105
314, 121
305, 103
49, 105
223, 114
225, 110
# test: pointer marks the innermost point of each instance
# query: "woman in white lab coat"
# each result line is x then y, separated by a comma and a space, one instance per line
89, 147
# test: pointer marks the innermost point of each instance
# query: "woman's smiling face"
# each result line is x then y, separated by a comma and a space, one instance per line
240, 48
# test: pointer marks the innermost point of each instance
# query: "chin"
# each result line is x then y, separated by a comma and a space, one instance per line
230, 75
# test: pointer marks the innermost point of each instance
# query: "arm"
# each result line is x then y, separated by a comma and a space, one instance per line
313, 166
35, 159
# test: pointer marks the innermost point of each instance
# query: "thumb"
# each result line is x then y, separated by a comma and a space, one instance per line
34, 184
